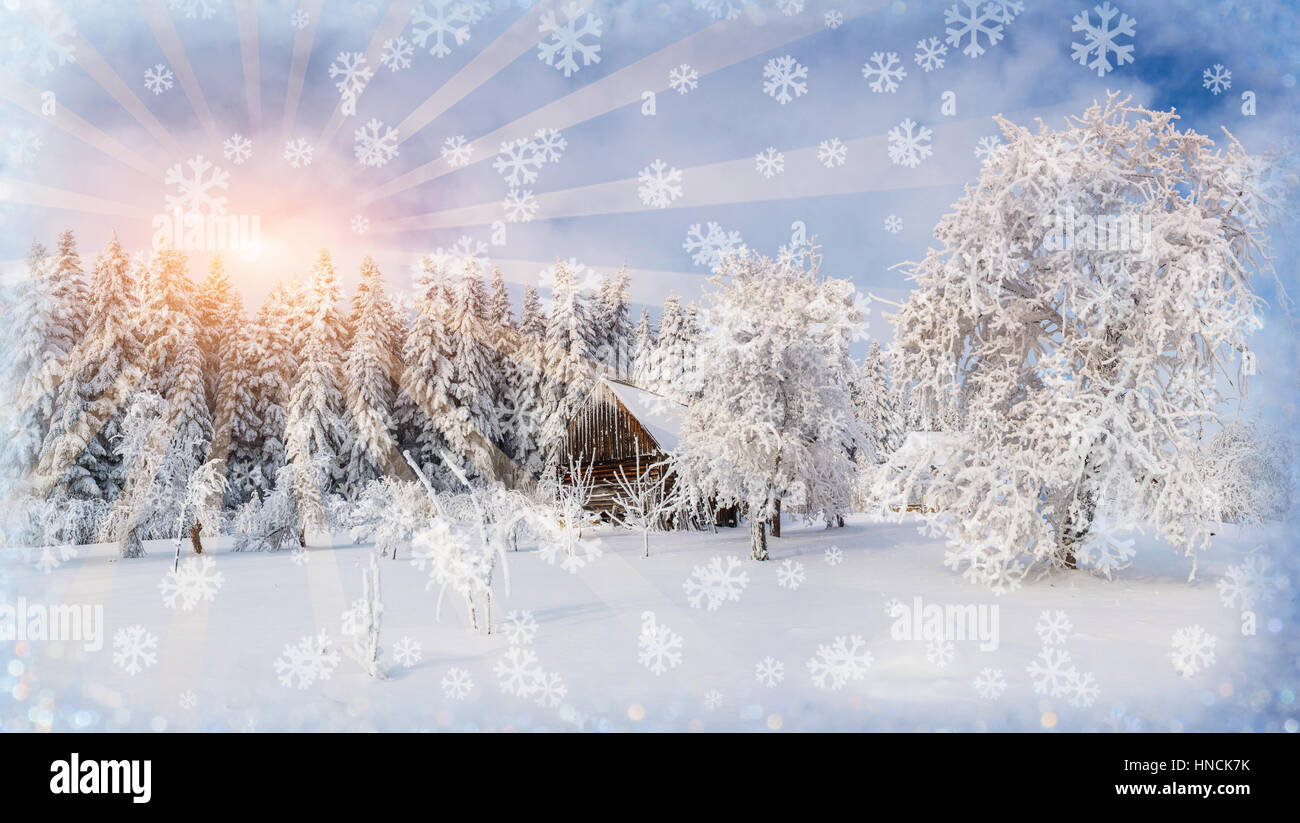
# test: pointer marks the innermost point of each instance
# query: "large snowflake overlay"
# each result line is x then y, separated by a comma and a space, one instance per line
310, 659
352, 72
376, 144
708, 246
834, 19
158, 79
22, 146
566, 40
1249, 584
978, 18
1217, 79
237, 148
940, 652
784, 79
683, 79
769, 162
930, 53
1051, 672
457, 684
832, 153
833, 556
885, 71
518, 672
438, 20
769, 671
659, 185
986, 148
1193, 650
196, 580
716, 582
790, 574
1106, 552
549, 145
990, 683
1102, 40
836, 663
298, 152
519, 627
659, 648
457, 151
1053, 627
201, 9
45, 39
397, 54
518, 162
550, 690
134, 649
520, 206
198, 191
908, 145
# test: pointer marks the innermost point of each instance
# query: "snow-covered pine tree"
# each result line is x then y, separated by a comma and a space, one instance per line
276, 359
877, 409
318, 434
526, 383
427, 359
220, 312
502, 339
471, 384
771, 416
674, 357
1090, 357
237, 426
31, 369
613, 327
644, 344
568, 364
371, 370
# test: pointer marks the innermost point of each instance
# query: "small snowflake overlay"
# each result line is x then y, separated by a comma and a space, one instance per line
1053, 627
683, 79
930, 53
790, 7
659, 184
299, 557
457, 151
1100, 41
832, 153
1105, 552
989, 684
134, 649
790, 574
569, 40
195, 581
310, 659
360, 225
893, 224
407, 652
584, 551
834, 19
707, 246
836, 663
520, 205
769, 671
200, 9
237, 149
434, 21
376, 144
784, 79
198, 191
519, 627
1051, 672
1217, 79
978, 19
716, 582
769, 162
352, 73
457, 684
712, 699
1193, 650
518, 162
833, 556
518, 672
986, 148
188, 700
659, 648
884, 71
51, 557
397, 54
298, 153
908, 144
299, 19
940, 652
158, 79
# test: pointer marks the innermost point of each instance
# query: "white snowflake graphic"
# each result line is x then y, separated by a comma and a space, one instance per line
658, 647
708, 246
1082, 690
550, 690
135, 649
360, 225
833, 556
201, 9
45, 39
990, 684
893, 224
836, 663
832, 153
908, 145
50, 558
1006, 9
834, 19
1193, 650
584, 551
397, 54
457, 684
884, 71
197, 192
520, 627
718, 9
1051, 673
784, 79
790, 574
518, 162
376, 144
940, 652
1250, 583
299, 557
712, 699
1106, 552
986, 148
683, 79
407, 652
195, 581
237, 148
23, 145
549, 144
158, 79
520, 205
300, 19
1102, 40
517, 672
659, 185
1053, 627
353, 73
298, 152
769, 162
438, 20
769, 671
312, 658
716, 582
188, 700
930, 53
790, 7
969, 23
1217, 79
457, 151
567, 40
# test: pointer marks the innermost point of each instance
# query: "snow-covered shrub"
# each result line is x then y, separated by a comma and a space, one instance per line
388, 512
270, 522
1246, 469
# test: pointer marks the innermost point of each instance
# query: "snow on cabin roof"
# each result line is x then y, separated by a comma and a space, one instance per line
936, 447
661, 417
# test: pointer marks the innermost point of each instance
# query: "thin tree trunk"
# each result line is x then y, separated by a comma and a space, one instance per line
194, 538
758, 538
776, 519
302, 537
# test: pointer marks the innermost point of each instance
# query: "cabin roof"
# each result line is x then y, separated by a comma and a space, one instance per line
933, 446
661, 417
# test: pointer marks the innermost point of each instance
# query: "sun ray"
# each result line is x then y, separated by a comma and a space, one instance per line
302, 43
246, 19
34, 194
155, 14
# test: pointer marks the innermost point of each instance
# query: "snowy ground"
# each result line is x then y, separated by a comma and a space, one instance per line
220, 656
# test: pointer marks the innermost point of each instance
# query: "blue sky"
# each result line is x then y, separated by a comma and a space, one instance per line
72, 180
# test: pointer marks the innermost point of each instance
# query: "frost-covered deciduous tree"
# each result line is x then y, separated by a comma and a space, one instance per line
645, 501
1247, 473
771, 416
1089, 294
